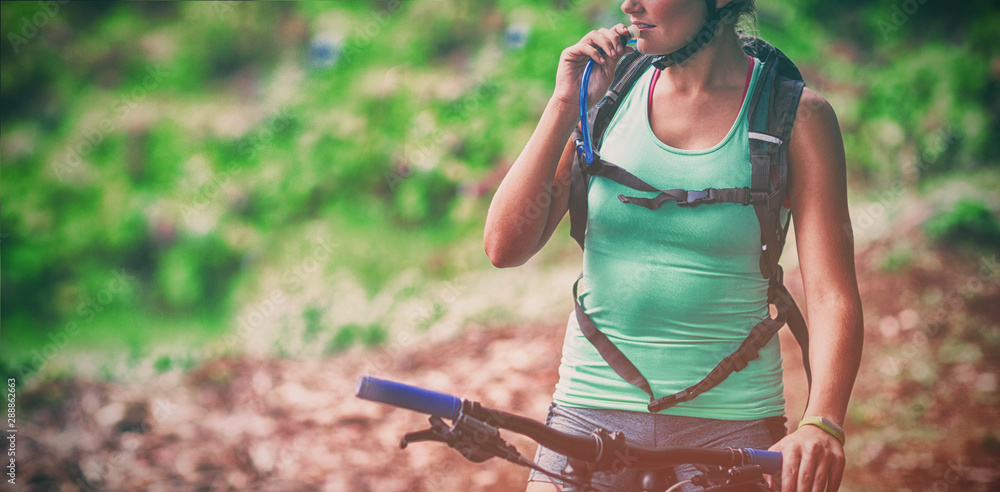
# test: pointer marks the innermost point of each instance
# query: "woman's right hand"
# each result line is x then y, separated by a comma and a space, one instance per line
574, 59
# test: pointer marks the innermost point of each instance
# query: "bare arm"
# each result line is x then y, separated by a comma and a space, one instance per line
814, 460
534, 196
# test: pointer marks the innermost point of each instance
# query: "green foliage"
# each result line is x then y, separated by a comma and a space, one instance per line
375, 336
162, 364
891, 21
896, 260
912, 91
349, 335
186, 143
424, 197
312, 317
437, 311
968, 222
188, 273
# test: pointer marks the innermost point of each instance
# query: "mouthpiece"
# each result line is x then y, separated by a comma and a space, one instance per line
633, 33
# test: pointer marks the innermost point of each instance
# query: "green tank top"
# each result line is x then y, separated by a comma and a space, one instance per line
676, 289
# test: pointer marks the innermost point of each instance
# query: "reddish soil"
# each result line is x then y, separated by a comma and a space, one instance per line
275, 425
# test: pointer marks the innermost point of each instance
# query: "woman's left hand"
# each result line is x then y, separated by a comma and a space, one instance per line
812, 461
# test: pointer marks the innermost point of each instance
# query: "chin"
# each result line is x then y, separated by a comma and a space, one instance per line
647, 48
656, 45
644, 47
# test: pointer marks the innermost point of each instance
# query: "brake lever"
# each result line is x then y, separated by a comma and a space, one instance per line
735, 478
439, 432
746, 473
477, 441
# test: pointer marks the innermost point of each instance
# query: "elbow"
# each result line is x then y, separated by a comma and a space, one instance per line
501, 253
502, 257
500, 261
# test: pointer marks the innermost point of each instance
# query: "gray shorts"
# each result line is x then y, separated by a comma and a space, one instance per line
653, 430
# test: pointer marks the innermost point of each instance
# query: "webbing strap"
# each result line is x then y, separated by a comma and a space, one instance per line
611, 354
749, 350
777, 292
627, 73
692, 198
684, 198
760, 169
619, 175
578, 195
736, 361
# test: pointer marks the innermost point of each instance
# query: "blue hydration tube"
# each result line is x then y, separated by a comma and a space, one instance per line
588, 151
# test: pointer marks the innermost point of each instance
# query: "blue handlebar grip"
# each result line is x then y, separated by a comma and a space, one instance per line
409, 397
769, 461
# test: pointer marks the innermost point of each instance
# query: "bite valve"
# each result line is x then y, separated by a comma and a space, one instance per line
633, 34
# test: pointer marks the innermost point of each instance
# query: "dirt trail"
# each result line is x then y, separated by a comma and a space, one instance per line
275, 425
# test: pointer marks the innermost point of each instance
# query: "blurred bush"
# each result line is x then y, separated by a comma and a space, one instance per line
185, 142
916, 84
968, 222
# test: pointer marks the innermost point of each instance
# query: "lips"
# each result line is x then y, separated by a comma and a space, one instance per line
643, 26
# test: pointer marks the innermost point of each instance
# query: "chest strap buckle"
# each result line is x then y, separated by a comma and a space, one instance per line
695, 198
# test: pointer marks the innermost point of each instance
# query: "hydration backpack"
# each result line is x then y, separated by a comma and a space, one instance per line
772, 108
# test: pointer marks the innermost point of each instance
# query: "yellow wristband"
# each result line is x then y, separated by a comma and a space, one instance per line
827, 425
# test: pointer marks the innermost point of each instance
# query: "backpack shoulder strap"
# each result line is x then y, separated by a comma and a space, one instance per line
772, 115
628, 71
773, 105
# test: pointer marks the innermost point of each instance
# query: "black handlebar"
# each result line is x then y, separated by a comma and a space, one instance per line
601, 449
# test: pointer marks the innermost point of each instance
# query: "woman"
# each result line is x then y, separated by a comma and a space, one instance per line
671, 314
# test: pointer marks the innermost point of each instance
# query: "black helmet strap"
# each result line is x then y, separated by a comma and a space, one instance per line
703, 37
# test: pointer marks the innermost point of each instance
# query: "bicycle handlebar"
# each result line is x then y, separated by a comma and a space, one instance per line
586, 448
